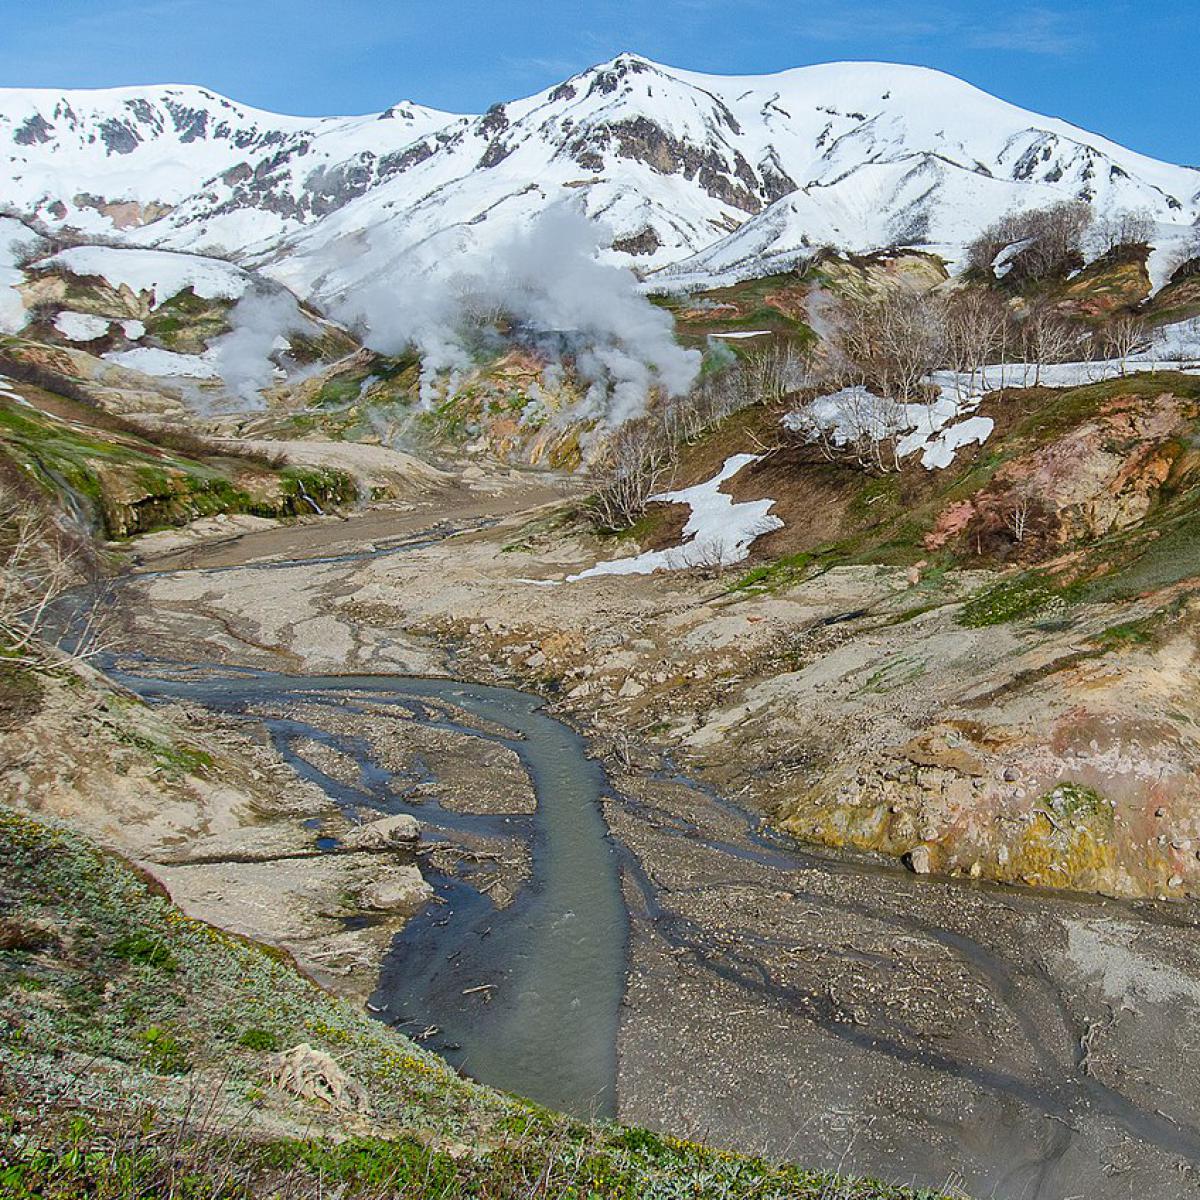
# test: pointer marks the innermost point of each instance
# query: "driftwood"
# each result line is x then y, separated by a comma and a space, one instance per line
314, 1075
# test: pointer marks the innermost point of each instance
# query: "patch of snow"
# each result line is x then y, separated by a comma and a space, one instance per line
14, 237
940, 451
165, 363
133, 330
753, 333
1003, 262
81, 327
161, 273
855, 412
719, 530
930, 429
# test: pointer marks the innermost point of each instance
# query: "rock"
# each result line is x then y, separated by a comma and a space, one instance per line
535, 660
400, 830
629, 689
581, 692
976, 869
920, 860
1176, 881
400, 891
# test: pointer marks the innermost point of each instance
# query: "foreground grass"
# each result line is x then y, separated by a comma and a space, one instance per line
135, 1055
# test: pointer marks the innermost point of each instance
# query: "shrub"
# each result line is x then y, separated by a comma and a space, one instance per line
146, 951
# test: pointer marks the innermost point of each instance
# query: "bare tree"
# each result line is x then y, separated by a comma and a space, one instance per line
887, 343
780, 370
852, 425
1047, 337
881, 350
1016, 517
1124, 227
1044, 241
1124, 337
978, 327
40, 562
640, 460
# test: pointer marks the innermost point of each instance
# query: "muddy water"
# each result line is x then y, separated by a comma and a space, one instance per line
525, 998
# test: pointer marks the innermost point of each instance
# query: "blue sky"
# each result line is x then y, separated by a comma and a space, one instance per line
1121, 68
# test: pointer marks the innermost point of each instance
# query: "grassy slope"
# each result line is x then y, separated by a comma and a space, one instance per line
135, 1047
885, 519
129, 484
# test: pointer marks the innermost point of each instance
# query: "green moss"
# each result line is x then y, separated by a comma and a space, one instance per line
776, 576
1070, 802
1126, 634
260, 1039
187, 323
145, 950
1028, 594
163, 1052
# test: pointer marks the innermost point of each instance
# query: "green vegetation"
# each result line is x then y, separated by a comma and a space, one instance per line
1031, 593
127, 484
136, 1051
1128, 634
775, 303
187, 323
777, 576
1069, 803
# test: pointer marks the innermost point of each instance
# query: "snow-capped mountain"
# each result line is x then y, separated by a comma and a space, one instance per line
110, 160
691, 176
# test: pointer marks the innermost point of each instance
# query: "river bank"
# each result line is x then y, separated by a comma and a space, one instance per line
775, 998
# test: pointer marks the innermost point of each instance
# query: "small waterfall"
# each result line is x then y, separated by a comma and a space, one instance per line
304, 492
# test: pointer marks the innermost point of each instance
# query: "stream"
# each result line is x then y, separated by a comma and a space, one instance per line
525, 998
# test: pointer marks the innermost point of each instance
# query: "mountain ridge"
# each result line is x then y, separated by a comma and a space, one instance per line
690, 176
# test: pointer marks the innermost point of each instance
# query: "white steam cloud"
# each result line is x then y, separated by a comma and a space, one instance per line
244, 357
558, 299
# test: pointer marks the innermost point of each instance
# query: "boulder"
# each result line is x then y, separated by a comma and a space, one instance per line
399, 891
920, 860
387, 832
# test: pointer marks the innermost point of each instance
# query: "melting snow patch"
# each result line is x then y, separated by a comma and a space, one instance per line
926, 429
160, 272
941, 450
133, 330
13, 237
165, 363
81, 327
719, 531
